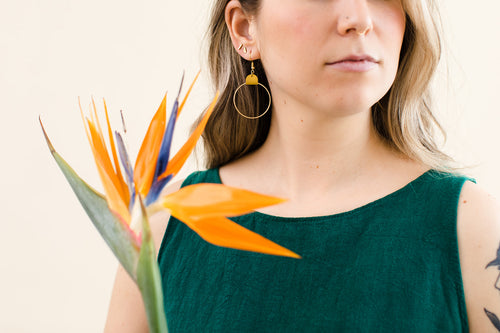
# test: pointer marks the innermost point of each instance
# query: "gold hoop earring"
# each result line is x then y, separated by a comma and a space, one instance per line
251, 80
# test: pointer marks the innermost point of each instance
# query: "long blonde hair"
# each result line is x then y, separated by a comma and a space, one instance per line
403, 117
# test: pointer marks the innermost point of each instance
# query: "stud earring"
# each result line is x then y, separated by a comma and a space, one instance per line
244, 48
251, 80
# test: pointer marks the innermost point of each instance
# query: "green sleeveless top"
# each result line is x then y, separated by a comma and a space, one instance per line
391, 265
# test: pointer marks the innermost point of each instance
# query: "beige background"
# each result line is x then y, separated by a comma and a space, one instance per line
56, 273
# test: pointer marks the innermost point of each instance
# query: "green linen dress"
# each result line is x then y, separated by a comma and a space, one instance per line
391, 265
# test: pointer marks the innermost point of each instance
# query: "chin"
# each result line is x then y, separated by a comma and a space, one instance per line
348, 104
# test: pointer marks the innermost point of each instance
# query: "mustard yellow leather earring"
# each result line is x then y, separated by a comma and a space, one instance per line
251, 80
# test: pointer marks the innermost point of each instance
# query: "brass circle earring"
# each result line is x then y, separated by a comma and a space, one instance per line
251, 80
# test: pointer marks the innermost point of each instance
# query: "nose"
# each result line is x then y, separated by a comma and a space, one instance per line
354, 18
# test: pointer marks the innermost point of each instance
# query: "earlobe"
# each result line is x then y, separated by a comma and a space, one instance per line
239, 26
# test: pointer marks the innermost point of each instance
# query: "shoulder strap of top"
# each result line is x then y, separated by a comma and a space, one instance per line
443, 190
448, 184
447, 175
206, 176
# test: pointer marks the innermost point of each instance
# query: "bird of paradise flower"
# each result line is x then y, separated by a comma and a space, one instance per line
132, 194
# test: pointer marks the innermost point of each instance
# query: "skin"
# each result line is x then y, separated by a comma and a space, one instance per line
321, 134
295, 39
478, 226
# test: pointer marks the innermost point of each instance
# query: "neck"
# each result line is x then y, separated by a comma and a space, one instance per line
305, 148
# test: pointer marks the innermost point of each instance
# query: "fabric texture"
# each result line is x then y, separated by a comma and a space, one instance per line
391, 265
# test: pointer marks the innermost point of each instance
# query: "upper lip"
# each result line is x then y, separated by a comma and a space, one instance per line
356, 57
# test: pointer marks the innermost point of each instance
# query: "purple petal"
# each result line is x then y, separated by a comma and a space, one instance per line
127, 166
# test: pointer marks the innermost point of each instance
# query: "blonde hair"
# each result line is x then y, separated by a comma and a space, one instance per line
403, 117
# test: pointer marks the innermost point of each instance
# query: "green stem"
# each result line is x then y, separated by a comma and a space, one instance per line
149, 281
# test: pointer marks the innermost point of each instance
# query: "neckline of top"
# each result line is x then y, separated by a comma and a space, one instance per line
340, 215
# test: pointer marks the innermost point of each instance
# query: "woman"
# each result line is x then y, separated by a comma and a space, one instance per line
391, 240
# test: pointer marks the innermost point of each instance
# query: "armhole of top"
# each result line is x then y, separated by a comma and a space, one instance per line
460, 288
191, 179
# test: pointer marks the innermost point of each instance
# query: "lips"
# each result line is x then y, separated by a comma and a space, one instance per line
357, 58
354, 63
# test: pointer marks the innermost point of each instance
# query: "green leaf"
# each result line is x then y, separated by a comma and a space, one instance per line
148, 278
115, 233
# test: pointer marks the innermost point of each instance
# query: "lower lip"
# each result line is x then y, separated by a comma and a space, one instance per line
354, 66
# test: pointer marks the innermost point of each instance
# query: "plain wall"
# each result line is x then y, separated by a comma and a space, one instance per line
56, 272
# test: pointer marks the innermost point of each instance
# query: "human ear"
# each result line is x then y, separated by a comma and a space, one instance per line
239, 24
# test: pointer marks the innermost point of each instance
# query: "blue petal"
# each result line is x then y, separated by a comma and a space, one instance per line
156, 189
164, 155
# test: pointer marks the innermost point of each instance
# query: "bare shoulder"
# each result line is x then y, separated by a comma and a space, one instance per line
478, 224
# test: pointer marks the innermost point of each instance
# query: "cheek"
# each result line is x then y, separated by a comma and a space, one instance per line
289, 46
393, 24
286, 36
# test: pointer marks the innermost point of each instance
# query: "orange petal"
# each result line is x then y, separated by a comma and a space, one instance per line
223, 232
109, 179
101, 154
145, 165
113, 196
95, 120
84, 123
187, 94
176, 163
123, 186
210, 200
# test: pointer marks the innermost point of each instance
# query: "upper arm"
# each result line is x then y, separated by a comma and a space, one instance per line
479, 238
126, 309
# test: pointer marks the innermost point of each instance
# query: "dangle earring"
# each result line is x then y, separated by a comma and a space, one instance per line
251, 80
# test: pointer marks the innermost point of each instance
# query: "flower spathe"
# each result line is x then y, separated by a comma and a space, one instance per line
132, 193
203, 207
